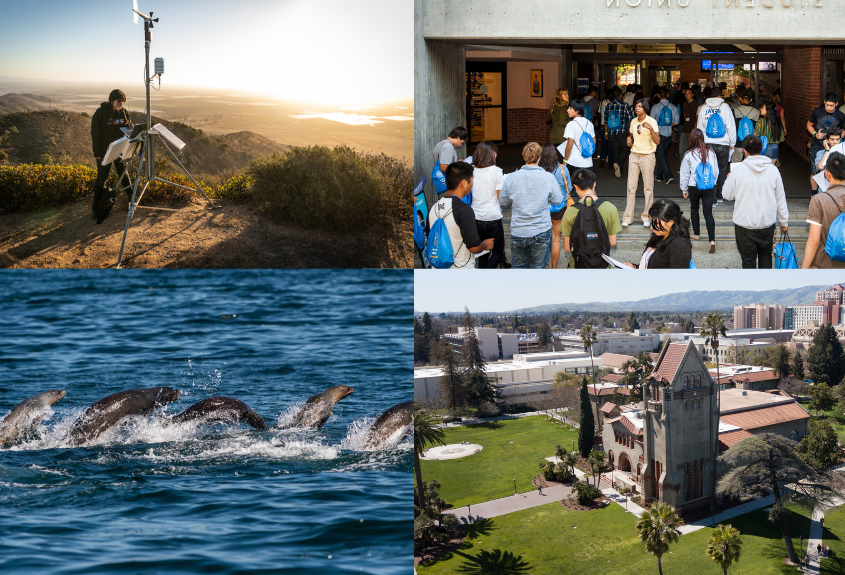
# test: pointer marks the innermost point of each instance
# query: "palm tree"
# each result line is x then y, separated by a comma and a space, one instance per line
657, 527
570, 460
588, 336
724, 546
560, 452
425, 434
711, 328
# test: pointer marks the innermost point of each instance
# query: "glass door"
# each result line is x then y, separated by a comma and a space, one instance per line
486, 101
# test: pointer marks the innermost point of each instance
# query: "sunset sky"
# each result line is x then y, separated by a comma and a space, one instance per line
322, 51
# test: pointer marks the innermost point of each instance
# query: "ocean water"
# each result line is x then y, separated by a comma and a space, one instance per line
148, 498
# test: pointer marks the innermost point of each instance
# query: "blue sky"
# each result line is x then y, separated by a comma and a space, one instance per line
310, 50
498, 290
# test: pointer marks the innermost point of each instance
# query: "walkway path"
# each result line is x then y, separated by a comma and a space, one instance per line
476, 421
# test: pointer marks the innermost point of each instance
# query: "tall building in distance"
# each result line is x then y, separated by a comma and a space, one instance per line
759, 316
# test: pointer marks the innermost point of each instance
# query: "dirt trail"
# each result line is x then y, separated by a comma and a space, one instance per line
234, 236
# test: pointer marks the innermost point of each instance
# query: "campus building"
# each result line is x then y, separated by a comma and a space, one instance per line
664, 444
494, 345
614, 342
494, 65
521, 381
803, 336
758, 315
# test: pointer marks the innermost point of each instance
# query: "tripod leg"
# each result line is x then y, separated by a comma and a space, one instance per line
131, 207
184, 169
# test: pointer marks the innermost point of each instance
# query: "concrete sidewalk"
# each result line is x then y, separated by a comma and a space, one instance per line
505, 505
477, 421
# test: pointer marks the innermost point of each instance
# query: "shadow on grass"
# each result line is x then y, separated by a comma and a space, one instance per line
487, 425
496, 562
479, 528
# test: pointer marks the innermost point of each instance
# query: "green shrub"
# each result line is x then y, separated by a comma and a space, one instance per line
336, 188
3, 156
235, 188
30, 187
13, 130
45, 159
85, 114
586, 492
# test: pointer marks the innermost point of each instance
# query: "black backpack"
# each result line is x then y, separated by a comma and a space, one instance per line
589, 239
106, 204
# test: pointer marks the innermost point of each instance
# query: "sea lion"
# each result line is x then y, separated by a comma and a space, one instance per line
318, 408
397, 418
112, 408
225, 409
25, 415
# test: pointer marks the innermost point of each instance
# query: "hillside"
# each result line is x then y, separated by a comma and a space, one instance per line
12, 103
692, 301
66, 138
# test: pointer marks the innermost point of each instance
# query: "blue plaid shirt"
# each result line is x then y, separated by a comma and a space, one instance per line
624, 113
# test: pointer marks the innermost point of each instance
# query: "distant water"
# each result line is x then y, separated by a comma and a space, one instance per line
208, 499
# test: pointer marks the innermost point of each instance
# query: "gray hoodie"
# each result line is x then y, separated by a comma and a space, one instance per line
757, 187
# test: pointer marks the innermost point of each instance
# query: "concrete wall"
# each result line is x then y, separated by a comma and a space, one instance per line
439, 95
608, 21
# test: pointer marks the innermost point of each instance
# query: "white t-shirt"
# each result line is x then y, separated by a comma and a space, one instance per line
485, 200
628, 98
574, 129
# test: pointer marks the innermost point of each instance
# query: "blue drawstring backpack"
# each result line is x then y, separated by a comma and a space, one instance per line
765, 142
745, 129
614, 120
420, 215
715, 127
785, 258
834, 246
438, 179
587, 145
692, 265
588, 113
665, 118
568, 185
705, 178
438, 250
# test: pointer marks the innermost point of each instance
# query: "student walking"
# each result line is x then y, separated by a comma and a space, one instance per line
586, 250
824, 209
699, 172
617, 119
757, 187
642, 139
559, 117
606, 155
459, 217
689, 115
487, 180
669, 246
744, 128
580, 139
445, 153
529, 191
770, 126
716, 120
548, 161
667, 117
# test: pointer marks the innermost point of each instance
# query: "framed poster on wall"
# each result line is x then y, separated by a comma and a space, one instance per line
536, 83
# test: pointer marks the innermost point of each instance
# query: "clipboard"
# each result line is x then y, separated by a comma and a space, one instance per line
616, 263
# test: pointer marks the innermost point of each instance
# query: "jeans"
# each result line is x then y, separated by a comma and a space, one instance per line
639, 163
606, 149
722, 157
707, 200
620, 149
534, 252
494, 230
103, 175
662, 171
755, 246
683, 144
771, 151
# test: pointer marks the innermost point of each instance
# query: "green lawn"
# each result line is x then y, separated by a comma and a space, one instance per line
511, 447
604, 542
834, 532
829, 415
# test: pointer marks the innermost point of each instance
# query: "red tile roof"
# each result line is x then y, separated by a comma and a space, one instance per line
627, 423
766, 416
670, 360
608, 407
611, 378
591, 389
731, 437
764, 375
614, 359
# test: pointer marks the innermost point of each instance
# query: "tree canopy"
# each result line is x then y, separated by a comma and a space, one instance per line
825, 360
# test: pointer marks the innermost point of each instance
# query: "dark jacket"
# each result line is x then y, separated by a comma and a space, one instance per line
676, 253
105, 127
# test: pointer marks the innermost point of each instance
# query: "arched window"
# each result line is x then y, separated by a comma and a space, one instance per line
639, 468
793, 435
610, 456
686, 382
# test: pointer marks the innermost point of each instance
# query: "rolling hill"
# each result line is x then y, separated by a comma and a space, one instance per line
66, 137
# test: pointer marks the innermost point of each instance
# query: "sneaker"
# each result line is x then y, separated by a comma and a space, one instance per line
646, 224
695, 236
712, 247
625, 224
669, 180
617, 171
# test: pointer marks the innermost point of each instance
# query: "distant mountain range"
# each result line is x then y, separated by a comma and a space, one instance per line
682, 301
